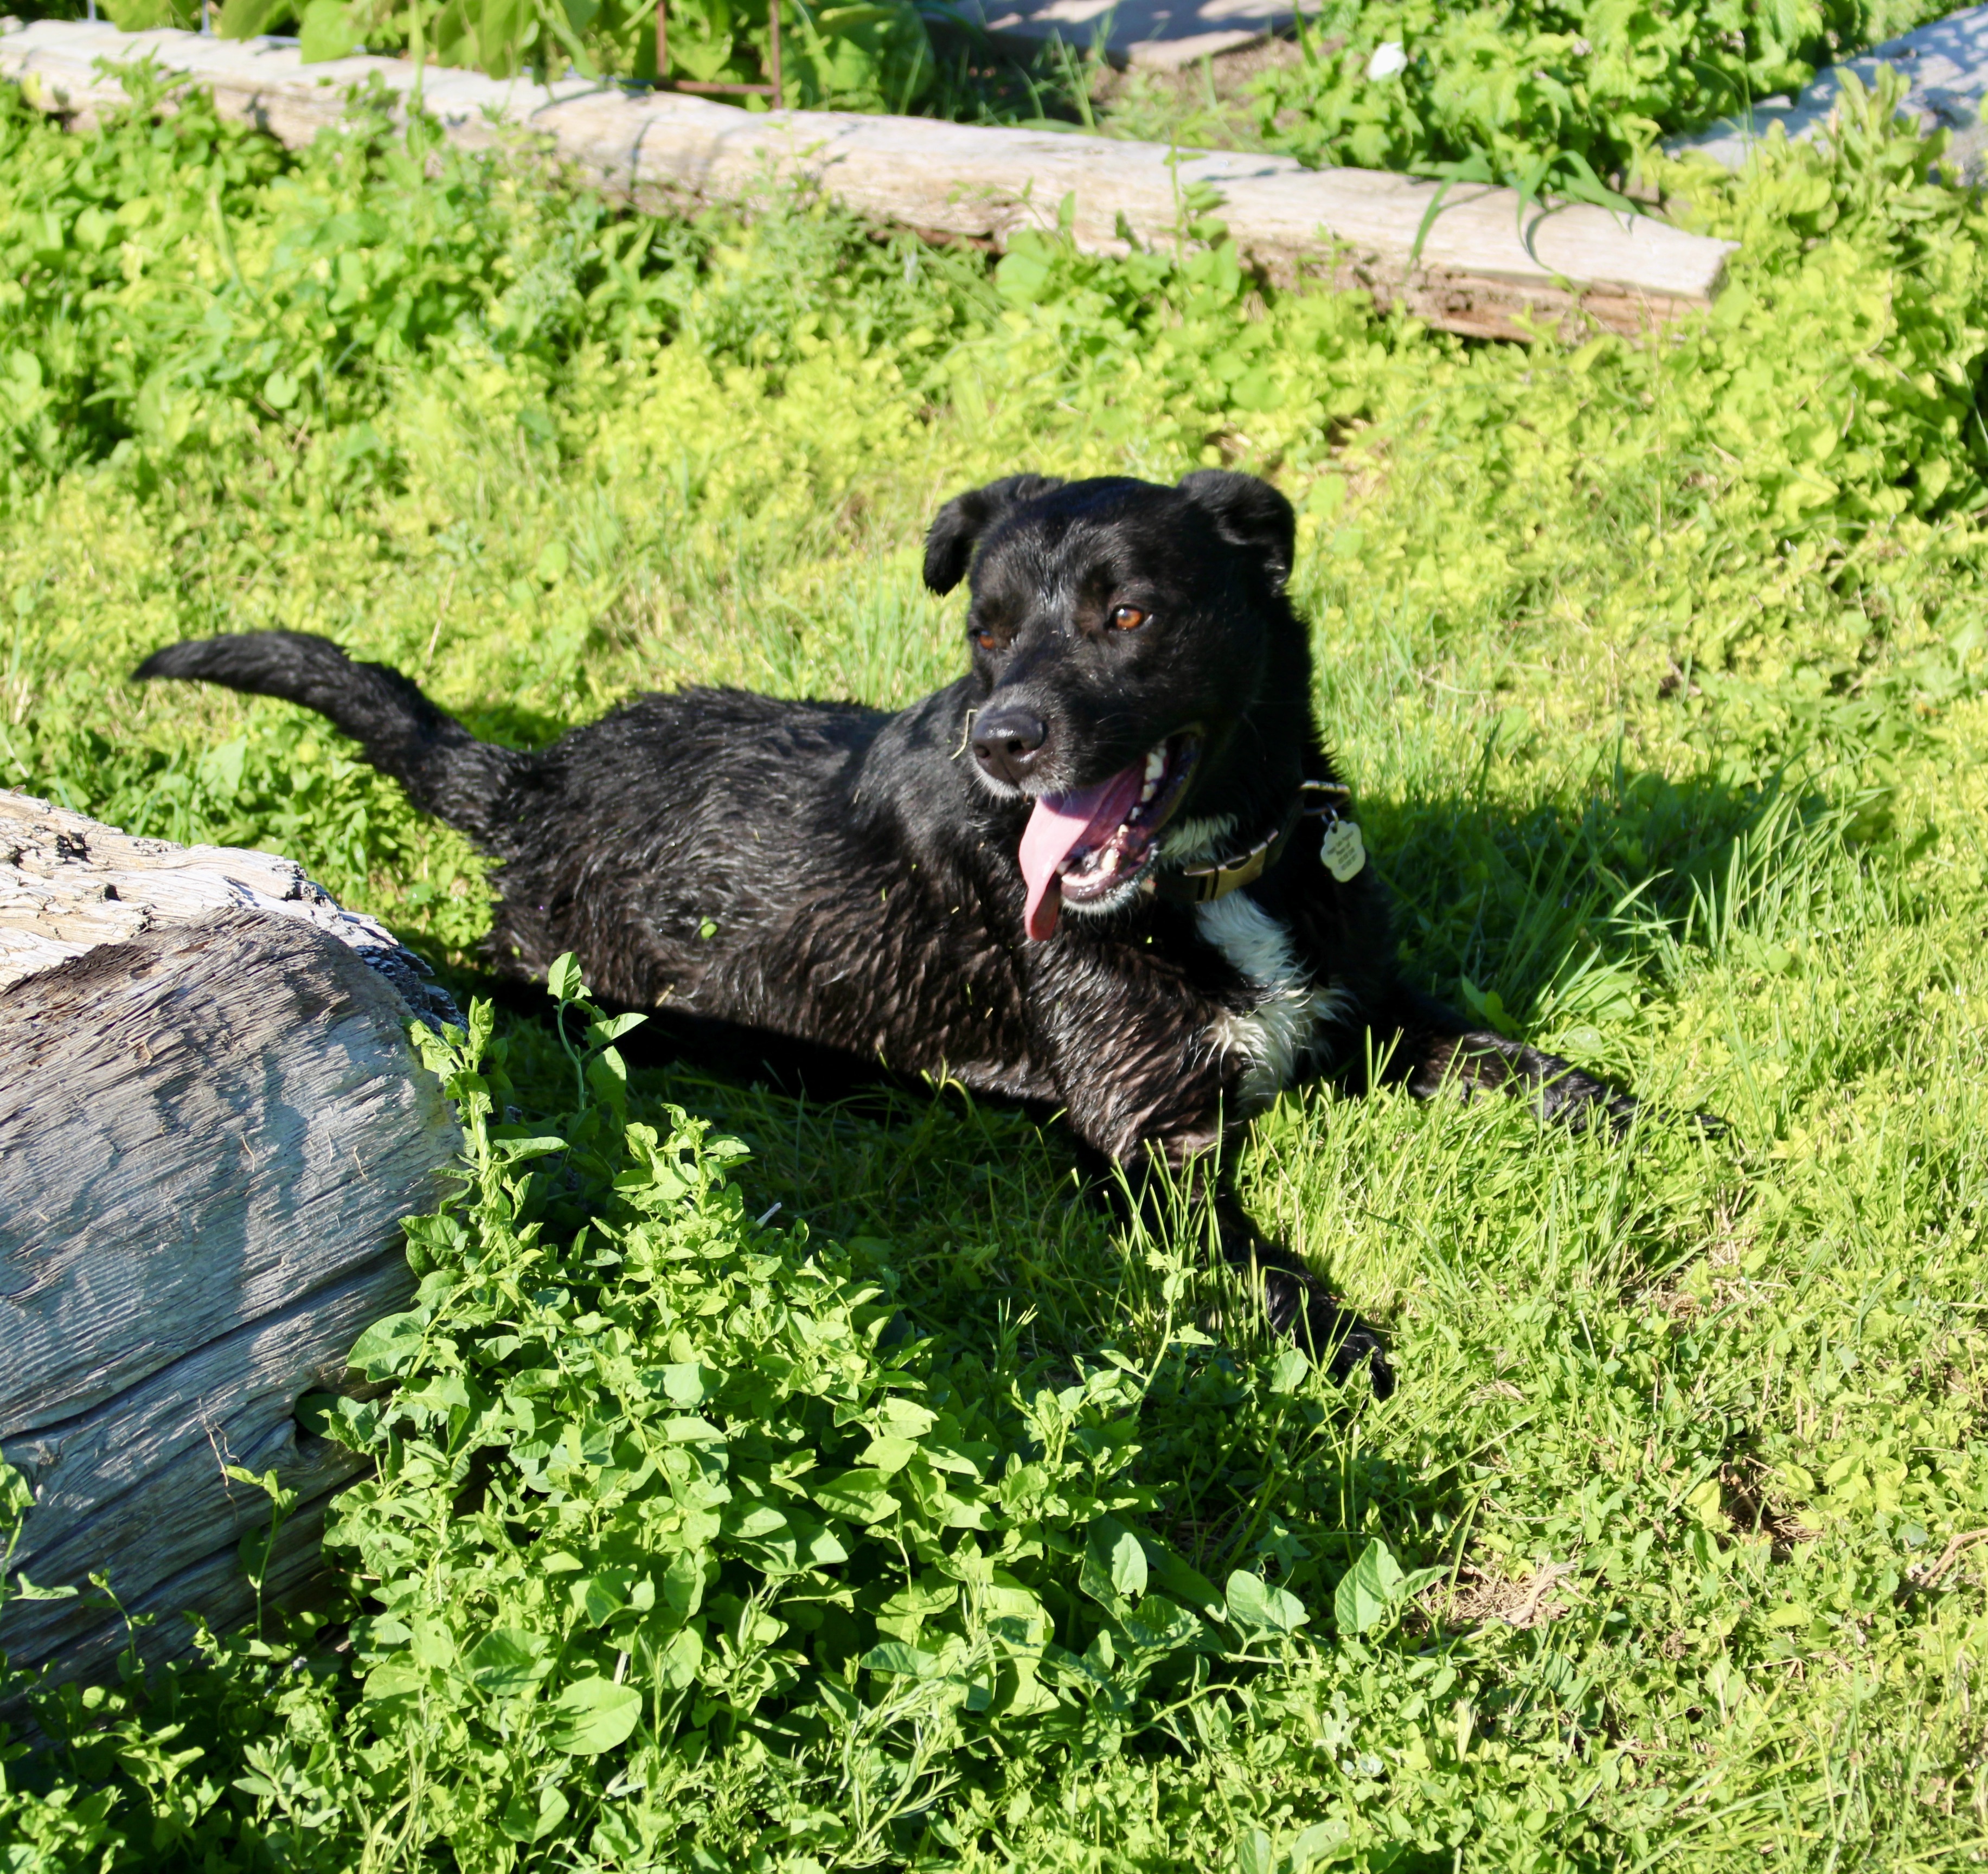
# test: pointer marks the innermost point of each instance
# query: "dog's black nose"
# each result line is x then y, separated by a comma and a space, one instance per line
1007, 742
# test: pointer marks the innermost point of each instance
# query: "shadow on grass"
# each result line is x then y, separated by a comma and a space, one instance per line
1634, 873
973, 1211
1551, 911
512, 725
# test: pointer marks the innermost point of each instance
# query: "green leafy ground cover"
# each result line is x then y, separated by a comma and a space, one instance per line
1550, 93
928, 1522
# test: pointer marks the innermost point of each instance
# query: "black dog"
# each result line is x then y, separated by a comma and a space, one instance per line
1111, 867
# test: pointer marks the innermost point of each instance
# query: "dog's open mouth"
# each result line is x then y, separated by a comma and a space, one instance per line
1087, 846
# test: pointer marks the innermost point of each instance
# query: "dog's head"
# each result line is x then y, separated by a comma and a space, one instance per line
1140, 672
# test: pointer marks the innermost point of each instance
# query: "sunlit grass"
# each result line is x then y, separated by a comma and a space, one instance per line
1686, 785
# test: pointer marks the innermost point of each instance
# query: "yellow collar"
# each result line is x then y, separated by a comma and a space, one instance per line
1202, 885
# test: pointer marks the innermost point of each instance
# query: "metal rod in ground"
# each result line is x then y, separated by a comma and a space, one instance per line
773, 27
662, 44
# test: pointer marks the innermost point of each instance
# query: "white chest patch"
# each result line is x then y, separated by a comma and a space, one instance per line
1198, 842
1277, 1035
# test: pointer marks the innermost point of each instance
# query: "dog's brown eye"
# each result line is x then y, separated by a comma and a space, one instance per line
985, 640
1127, 618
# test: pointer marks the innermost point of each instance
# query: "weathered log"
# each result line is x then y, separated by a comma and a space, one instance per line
212, 1122
1470, 259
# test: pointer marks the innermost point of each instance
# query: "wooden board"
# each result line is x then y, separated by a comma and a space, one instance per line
1945, 65
1159, 35
210, 1127
1483, 268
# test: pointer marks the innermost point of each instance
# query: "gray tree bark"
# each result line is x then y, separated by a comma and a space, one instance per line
212, 1122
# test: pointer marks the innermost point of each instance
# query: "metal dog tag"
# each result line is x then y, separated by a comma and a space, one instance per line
1343, 851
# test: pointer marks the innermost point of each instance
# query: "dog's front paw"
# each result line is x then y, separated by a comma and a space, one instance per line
1357, 1343
1300, 1306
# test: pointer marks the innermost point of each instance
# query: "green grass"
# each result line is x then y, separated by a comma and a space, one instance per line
1658, 672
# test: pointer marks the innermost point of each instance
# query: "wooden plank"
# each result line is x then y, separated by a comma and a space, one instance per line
1160, 35
212, 1122
1945, 64
1483, 268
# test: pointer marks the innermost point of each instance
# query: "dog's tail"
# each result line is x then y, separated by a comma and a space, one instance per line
445, 769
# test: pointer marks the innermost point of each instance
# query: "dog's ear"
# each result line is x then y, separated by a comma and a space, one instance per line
1249, 513
964, 519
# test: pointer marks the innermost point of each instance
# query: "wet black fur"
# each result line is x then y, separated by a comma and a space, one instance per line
861, 876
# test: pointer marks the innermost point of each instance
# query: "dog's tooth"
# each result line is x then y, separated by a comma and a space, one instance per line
1156, 765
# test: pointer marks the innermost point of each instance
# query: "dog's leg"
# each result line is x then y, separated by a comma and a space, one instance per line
1157, 1121
1426, 1046
1296, 1302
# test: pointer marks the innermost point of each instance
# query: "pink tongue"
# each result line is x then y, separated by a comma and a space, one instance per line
1061, 823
